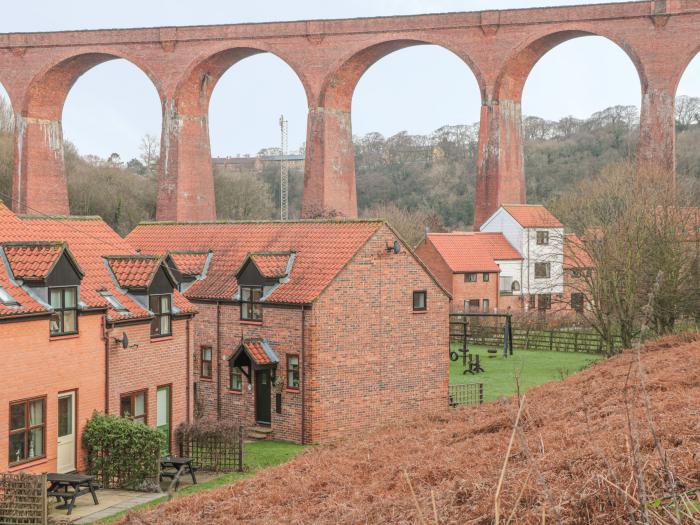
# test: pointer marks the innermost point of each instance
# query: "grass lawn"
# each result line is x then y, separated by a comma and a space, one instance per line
256, 456
533, 367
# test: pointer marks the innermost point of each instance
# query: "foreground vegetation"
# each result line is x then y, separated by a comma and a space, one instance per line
523, 370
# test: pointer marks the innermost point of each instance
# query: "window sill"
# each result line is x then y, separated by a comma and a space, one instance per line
207, 379
63, 336
292, 390
248, 321
13, 467
157, 339
235, 392
420, 311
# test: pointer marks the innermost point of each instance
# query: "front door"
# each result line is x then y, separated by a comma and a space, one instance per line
263, 392
65, 461
163, 415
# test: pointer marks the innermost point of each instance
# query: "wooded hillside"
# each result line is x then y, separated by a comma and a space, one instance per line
432, 176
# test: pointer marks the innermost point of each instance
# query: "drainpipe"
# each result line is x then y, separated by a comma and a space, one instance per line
188, 378
303, 377
105, 337
218, 360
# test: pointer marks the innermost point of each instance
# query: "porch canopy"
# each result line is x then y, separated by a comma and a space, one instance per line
254, 354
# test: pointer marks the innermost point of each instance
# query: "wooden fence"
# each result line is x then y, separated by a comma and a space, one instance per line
23, 499
214, 447
467, 394
490, 333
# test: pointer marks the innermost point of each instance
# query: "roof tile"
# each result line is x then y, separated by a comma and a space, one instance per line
32, 261
532, 216
322, 249
473, 251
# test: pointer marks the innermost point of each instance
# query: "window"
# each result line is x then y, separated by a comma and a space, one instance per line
205, 371
542, 237
531, 301
293, 371
544, 301
575, 273
64, 319
515, 287
485, 277
235, 381
27, 430
472, 305
160, 306
251, 309
470, 277
420, 301
542, 270
133, 406
6, 298
485, 305
577, 302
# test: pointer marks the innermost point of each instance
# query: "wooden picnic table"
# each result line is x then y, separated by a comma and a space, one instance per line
173, 467
69, 487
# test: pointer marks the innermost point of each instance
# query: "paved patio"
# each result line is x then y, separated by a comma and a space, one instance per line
113, 501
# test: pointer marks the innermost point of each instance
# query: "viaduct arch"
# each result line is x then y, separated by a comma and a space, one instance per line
329, 56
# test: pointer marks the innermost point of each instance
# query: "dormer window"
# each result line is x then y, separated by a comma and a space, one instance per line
542, 237
64, 301
251, 309
161, 306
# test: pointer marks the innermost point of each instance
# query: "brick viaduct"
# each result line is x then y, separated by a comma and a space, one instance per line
329, 56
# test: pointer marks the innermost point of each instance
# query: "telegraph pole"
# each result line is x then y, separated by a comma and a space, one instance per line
284, 173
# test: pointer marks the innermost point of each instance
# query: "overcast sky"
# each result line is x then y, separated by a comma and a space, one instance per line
418, 89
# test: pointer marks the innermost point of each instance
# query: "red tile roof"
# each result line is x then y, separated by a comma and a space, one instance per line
32, 261
88, 239
322, 249
532, 216
473, 251
257, 351
134, 271
271, 265
190, 263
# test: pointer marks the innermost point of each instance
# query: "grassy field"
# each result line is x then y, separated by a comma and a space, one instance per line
257, 455
532, 367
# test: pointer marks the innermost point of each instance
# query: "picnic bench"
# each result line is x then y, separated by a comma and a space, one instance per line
69, 487
173, 467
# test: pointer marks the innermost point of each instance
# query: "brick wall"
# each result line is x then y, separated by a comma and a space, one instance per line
281, 326
372, 359
463, 291
150, 363
35, 365
431, 257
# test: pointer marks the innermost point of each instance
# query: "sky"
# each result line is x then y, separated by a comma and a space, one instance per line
419, 89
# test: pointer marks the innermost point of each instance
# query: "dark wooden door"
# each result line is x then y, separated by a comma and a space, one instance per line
263, 392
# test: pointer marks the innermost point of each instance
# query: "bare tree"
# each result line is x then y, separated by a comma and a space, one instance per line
635, 232
150, 152
687, 111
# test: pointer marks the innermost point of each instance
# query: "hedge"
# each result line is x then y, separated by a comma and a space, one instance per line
123, 454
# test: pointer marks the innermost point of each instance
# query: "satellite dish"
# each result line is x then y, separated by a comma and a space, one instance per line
397, 246
125, 341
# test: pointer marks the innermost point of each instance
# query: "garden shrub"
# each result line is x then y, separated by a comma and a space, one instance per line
123, 454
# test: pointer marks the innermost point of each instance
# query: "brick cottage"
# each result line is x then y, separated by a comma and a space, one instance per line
72, 293
307, 330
